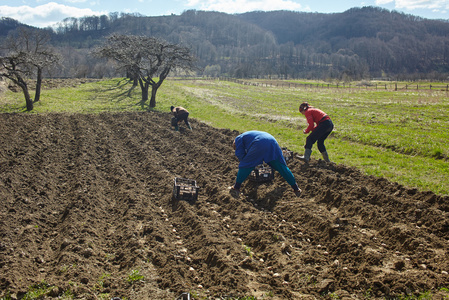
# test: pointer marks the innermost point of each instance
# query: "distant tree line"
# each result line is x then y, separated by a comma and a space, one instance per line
360, 43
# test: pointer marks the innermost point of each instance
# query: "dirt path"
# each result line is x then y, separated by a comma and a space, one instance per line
86, 200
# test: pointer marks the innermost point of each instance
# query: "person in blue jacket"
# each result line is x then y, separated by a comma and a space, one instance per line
252, 148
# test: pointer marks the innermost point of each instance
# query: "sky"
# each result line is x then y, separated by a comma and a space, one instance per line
44, 13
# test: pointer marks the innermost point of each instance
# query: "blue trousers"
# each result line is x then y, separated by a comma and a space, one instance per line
285, 172
319, 135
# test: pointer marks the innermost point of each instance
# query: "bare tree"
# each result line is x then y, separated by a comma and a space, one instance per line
148, 59
28, 55
14, 67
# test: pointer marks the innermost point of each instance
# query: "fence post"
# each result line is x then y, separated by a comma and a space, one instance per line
395, 86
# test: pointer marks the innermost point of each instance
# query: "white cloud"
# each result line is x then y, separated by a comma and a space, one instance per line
240, 6
418, 4
76, 1
383, 2
435, 5
46, 14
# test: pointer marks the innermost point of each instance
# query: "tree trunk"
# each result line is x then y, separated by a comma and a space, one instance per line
26, 93
144, 86
37, 95
154, 89
145, 94
153, 96
133, 77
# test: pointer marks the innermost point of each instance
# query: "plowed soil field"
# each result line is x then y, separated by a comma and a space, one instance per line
87, 212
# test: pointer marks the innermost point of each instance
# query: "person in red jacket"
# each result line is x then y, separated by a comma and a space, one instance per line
319, 132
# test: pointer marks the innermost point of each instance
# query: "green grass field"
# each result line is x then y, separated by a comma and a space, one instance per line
400, 135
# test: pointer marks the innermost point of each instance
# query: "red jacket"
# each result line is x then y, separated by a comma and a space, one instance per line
314, 116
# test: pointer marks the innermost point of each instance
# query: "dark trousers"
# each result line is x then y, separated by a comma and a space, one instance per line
319, 134
184, 117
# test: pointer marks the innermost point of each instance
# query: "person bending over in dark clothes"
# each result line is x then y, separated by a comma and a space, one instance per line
180, 114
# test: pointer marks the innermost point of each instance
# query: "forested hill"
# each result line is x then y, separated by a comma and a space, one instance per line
368, 22
388, 42
356, 44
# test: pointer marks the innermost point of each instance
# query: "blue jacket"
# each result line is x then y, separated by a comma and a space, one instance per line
252, 148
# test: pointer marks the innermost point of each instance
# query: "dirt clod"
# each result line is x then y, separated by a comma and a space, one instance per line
87, 206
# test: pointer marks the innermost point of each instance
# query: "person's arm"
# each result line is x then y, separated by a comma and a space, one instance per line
176, 114
239, 149
310, 122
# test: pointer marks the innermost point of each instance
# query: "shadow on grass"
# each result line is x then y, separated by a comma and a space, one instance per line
117, 92
9, 108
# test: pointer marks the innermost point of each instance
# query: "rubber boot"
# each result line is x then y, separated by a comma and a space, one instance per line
306, 157
234, 192
190, 127
325, 156
176, 128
